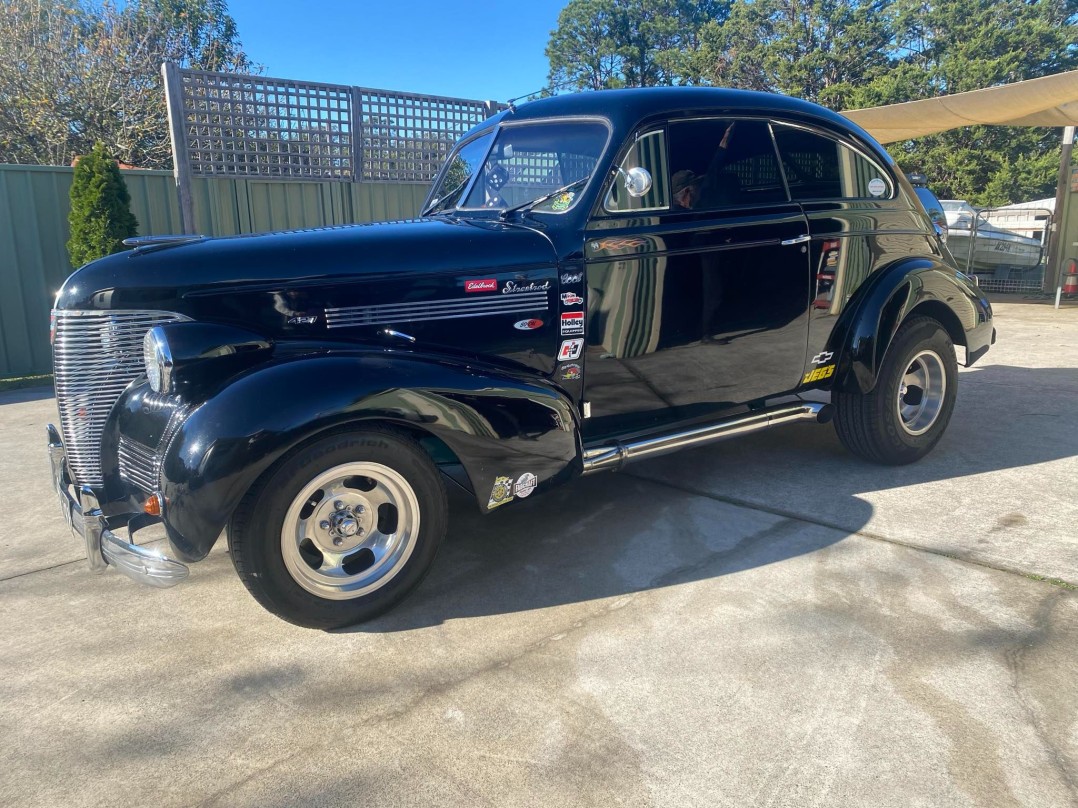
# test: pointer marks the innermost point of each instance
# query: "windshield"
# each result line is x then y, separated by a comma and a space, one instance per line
530, 161
459, 169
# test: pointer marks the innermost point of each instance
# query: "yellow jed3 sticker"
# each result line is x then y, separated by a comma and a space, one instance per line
819, 374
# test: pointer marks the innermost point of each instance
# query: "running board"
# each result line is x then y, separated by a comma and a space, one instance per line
612, 456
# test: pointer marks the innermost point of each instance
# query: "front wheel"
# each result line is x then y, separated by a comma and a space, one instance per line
908, 410
342, 530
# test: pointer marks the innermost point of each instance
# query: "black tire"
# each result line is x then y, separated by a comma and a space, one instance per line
272, 568
871, 425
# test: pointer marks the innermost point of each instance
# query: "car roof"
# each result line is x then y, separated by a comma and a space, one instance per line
627, 108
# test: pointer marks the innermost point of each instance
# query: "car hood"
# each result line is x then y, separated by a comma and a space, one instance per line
164, 277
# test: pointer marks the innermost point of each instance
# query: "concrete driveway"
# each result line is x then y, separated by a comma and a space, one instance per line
765, 622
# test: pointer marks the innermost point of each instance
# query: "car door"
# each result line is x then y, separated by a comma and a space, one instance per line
698, 290
857, 217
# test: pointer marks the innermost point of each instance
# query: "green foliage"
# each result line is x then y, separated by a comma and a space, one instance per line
100, 215
73, 72
844, 54
604, 44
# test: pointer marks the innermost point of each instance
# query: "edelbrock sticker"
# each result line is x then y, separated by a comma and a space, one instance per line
484, 285
525, 484
572, 277
570, 372
572, 322
570, 350
527, 325
512, 287
571, 299
501, 493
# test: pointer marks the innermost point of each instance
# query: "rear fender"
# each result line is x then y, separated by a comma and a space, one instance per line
909, 288
500, 426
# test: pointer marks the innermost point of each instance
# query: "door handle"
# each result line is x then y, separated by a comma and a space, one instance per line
799, 240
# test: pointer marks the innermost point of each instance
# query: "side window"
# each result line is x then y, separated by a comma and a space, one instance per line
722, 163
819, 167
648, 152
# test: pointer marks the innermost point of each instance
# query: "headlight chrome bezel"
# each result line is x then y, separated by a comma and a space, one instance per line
157, 357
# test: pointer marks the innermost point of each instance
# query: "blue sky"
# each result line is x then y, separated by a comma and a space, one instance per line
464, 48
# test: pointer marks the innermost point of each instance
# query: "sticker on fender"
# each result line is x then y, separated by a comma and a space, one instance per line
570, 350
501, 493
819, 374
572, 322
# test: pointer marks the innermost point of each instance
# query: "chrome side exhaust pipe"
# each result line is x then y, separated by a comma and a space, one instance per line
613, 456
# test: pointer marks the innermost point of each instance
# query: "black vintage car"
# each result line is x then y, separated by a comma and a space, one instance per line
595, 279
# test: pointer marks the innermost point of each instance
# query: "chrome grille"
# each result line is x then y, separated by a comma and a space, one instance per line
139, 465
96, 354
390, 313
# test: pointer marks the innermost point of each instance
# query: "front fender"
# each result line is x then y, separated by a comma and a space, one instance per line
870, 320
500, 425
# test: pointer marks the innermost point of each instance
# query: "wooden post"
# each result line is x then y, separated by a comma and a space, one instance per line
181, 161
1053, 274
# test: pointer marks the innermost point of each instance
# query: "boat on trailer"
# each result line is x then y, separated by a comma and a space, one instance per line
983, 248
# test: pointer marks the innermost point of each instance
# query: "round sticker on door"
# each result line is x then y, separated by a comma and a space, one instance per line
525, 484
877, 187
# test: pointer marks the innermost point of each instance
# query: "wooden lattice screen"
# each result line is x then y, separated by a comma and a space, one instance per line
237, 125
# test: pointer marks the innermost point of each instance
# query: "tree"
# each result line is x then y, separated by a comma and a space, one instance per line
952, 46
603, 44
100, 215
73, 73
821, 50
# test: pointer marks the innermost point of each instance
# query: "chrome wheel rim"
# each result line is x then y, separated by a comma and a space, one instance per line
350, 530
921, 393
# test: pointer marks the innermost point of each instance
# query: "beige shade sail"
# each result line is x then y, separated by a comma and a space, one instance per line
1047, 101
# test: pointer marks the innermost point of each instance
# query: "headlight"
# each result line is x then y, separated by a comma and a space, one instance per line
158, 359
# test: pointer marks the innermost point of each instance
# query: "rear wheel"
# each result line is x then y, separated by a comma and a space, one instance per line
908, 410
342, 530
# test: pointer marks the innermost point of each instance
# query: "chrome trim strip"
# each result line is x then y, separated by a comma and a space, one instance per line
612, 456
351, 316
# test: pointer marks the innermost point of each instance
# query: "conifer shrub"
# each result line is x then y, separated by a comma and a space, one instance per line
100, 215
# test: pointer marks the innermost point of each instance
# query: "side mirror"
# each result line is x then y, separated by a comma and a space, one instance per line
637, 181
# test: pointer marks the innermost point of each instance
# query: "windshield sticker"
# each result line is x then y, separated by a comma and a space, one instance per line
572, 277
527, 325
570, 372
876, 186
823, 356
501, 493
562, 201
571, 299
512, 287
485, 285
572, 322
525, 484
570, 350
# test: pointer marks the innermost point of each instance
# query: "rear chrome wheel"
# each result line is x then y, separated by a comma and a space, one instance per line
922, 392
342, 529
907, 412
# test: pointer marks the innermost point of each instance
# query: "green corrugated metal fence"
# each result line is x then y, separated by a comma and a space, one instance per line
33, 232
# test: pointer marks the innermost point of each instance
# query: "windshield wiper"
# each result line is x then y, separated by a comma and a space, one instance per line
531, 203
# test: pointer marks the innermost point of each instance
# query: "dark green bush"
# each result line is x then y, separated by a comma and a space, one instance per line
100, 215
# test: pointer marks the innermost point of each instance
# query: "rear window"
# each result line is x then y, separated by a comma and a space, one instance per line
819, 167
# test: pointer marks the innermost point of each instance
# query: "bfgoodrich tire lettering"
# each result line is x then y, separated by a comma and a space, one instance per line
907, 412
341, 530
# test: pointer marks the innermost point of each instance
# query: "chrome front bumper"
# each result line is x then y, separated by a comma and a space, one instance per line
103, 547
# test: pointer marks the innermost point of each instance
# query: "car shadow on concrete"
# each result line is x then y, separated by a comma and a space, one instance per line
675, 519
